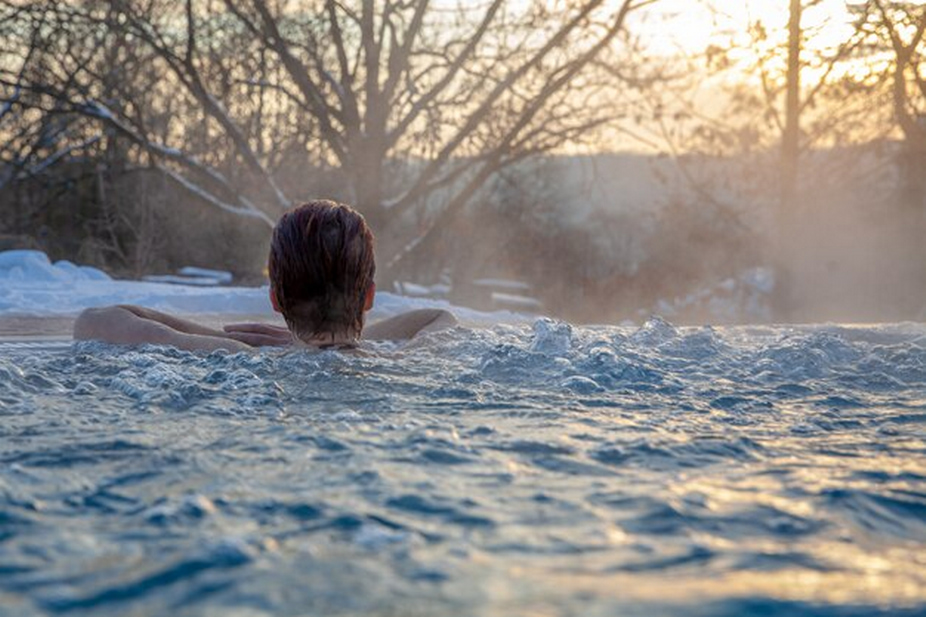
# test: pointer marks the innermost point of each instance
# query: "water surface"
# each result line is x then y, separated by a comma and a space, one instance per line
538, 469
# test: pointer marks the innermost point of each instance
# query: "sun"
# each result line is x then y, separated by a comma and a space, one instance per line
689, 26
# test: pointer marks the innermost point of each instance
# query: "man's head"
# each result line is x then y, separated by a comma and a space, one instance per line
321, 270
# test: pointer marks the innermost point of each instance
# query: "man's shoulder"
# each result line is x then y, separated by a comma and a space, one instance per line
408, 325
92, 321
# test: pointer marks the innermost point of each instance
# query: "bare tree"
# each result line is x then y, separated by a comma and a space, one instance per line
790, 138
767, 120
895, 49
410, 103
902, 25
32, 143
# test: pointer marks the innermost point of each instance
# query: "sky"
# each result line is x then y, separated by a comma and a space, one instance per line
673, 28
691, 25
669, 28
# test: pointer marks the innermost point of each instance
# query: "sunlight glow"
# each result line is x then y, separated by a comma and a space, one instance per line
690, 26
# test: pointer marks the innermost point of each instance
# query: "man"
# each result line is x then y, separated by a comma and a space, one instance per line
321, 280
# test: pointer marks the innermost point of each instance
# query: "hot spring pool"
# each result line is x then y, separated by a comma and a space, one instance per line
523, 470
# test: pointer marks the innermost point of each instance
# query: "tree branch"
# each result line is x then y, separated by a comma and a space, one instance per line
195, 189
314, 97
476, 117
425, 101
503, 150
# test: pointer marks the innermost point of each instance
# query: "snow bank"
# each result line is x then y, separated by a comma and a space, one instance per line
745, 297
31, 267
31, 284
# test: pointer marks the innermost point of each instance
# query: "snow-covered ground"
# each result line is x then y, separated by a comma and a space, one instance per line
31, 284
745, 298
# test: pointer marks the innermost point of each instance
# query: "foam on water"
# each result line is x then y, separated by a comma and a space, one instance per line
545, 467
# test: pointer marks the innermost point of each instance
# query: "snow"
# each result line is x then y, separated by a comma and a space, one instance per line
33, 267
174, 279
414, 289
99, 110
502, 284
730, 300
220, 275
31, 284
514, 300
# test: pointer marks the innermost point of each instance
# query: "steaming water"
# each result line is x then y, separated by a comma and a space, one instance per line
540, 469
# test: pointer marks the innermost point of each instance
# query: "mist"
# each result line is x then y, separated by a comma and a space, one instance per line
606, 238
582, 169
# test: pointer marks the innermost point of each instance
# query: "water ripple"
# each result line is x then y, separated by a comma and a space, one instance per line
551, 468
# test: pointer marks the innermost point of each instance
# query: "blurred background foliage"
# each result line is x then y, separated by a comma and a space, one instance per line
561, 143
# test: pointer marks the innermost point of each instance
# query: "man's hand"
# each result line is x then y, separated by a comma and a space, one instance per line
259, 334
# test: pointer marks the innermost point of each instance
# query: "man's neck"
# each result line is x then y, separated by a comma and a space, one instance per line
329, 341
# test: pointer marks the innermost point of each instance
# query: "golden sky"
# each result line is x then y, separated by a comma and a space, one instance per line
690, 25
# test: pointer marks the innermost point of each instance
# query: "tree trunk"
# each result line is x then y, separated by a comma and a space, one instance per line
788, 210
790, 145
367, 181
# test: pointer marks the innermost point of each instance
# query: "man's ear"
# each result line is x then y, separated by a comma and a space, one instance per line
273, 300
371, 293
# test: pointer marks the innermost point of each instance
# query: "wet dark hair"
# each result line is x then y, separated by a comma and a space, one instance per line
321, 267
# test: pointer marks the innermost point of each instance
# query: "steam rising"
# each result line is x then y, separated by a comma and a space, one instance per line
610, 237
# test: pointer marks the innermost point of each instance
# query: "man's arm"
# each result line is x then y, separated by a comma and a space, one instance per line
175, 323
408, 325
135, 325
